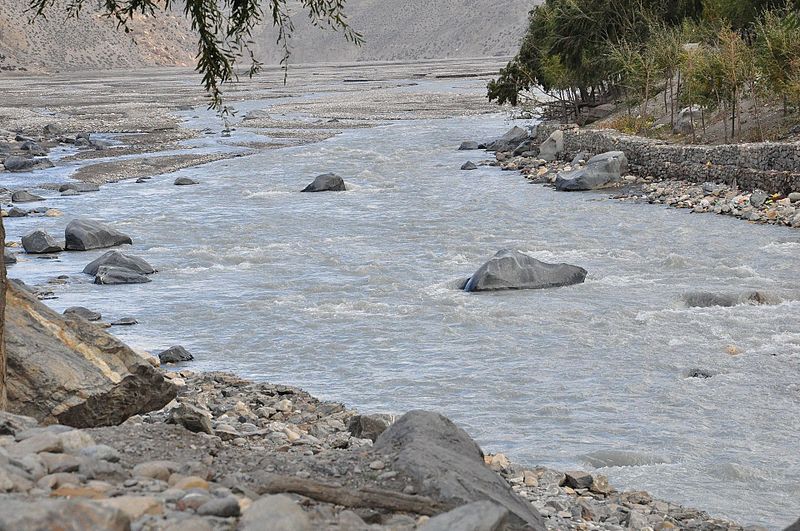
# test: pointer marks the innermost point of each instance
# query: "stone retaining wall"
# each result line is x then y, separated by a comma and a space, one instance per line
769, 166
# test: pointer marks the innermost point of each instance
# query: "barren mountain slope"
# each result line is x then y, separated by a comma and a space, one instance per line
394, 30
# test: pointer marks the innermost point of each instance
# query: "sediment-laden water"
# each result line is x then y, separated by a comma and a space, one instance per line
351, 296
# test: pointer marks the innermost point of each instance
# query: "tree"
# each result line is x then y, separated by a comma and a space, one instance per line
224, 28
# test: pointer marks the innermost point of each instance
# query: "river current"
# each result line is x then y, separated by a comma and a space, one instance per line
352, 297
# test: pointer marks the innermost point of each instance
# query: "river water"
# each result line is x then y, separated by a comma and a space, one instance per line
351, 296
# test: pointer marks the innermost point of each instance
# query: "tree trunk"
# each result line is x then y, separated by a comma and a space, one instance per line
3, 403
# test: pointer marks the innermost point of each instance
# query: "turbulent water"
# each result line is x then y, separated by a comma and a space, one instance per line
352, 297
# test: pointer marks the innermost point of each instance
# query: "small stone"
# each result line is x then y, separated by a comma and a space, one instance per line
794, 197
284, 406
135, 506
377, 465
600, 484
74, 441
469, 165
223, 507
102, 452
126, 321
192, 418
191, 482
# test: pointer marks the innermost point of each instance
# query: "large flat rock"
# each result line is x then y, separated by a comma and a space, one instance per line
64, 369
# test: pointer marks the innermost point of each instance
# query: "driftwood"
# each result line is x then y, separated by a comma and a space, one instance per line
365, 497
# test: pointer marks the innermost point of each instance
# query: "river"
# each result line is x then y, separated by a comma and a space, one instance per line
352, 297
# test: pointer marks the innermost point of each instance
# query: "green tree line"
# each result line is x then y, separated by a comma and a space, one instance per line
709, 55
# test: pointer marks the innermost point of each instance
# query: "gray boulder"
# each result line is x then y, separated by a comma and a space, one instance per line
509, 141
593, 114
8, 257
510, 269
552, 148
581, 157
83, 234
79, 187
758, 198
526, 146
15, 212
688, 119
52, 131
15, 163
192, 418
110, 275
71, 515
443, 462
600, 171
468, 146
65, 370
278, 512
185, 181
469, 165
175, 354
25, 197
33, 148
119, 259
477, 516
85, 313
70, 193
369, 426
703, 299
327, 182
125, 321
39, 242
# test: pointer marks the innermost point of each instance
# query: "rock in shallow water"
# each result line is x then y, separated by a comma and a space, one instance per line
25, 197
39, 242
83, 234
111, 275
185, 181
468, 146
511, 269
119, 259
175, 354
469, 165
707, 300
328, 182
85, 313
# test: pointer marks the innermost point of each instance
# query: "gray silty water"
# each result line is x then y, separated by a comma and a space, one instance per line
351, 296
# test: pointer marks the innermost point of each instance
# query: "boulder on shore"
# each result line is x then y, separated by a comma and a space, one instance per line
510, 269
83, 234
468, 146
509, 141
67, 370
39, 242
552, 148
444, 463
600, 171
477, 516
117, 258
327, 182
15, 163
111, 275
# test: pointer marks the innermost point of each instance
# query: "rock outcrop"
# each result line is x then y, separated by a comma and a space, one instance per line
511, 269
67, 370
446, 464
83, 234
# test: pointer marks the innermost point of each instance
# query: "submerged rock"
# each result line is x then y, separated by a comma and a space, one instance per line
39, 242
15, 163
447, 465
79, 187
327, 182
111, 275
119, 259
469, 165
67, 370
600, 171
510, 269
85, 313
83, 234
185, 181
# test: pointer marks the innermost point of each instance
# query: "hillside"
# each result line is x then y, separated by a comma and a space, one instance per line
399, 30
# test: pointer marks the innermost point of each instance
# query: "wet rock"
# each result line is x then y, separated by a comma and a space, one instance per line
175, 354
79, 187
185, 181
62, 515
15, 163
509, 141
85, 313
70, 193
39, 242
192, 418
469, 165
477, 516
369, 426
222, 507
8, 257
125, 321
83, 234
112, 276
15, 212
511, 269
468, 146
282, 513
552, 148
707, 299
33, 148
328, 182
600, 171
69, 371
119, 259
25, 197
446, 464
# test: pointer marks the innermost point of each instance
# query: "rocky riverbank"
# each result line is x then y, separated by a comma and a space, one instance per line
229, 453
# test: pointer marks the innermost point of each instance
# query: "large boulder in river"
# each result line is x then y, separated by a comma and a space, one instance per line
552, 148
15, 163
444, 463
23, 196
79, 187
64, 369
117, 258
702, 299
111, 275
510, 269
83, 234
327, 182
600, 171
509, 141
39, 242
468, 146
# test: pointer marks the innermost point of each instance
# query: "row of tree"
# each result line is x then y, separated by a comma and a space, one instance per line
708, 55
